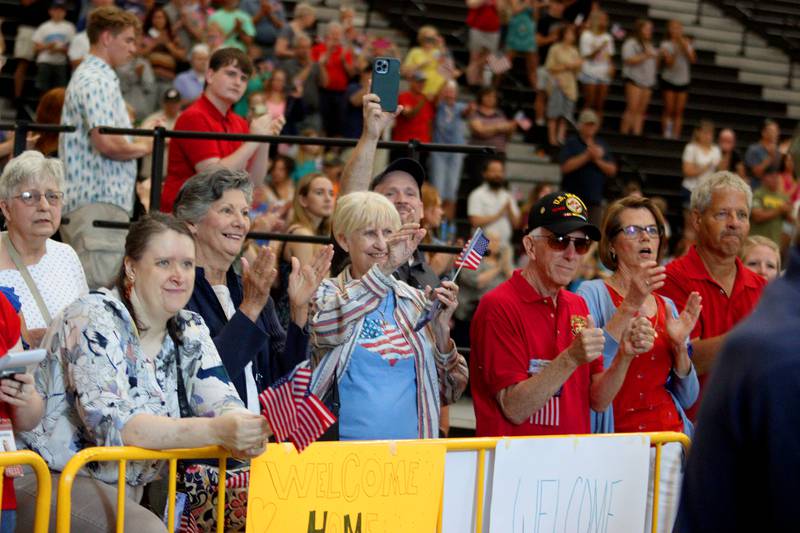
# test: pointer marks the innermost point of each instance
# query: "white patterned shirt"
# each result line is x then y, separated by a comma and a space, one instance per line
94, 99
59, 277
95, 378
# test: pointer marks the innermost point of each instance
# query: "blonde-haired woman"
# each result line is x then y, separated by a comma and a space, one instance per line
763, 256
388, 379
426, 58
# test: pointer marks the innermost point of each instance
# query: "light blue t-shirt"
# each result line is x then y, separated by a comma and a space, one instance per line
378, 392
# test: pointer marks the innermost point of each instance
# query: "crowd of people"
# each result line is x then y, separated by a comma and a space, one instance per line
580, 319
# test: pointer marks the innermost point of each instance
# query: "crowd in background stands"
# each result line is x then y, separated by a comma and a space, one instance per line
250, 66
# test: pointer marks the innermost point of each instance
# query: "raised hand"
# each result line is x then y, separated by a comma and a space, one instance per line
257, 281
304, 280
680, 328
402, 245
649, 278
447, 295
588, 343
376, 119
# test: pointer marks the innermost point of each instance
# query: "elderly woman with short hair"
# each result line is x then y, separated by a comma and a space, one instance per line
237, 309
661, 381
390, 380
45, 274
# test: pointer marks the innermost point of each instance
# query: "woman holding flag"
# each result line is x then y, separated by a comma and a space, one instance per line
388, 379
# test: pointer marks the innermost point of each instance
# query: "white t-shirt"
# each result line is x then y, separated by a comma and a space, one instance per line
58, 276
485, 201
53, 32
696, 155
79, 47
599, 65
224, 297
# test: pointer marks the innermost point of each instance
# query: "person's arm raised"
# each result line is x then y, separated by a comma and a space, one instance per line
357, 172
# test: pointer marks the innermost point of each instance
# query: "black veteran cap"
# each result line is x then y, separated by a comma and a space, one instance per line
562, 213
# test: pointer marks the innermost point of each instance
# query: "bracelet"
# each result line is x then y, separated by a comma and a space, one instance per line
689, 349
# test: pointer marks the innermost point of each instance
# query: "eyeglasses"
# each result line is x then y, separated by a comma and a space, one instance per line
561, 242
633, 231
31, 198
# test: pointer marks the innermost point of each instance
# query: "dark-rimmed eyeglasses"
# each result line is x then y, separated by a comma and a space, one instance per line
633, 231
561, 242
31, 198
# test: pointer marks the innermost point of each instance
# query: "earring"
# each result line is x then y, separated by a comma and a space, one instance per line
613, 255
128, 285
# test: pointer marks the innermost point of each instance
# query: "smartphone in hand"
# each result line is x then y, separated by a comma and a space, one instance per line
386, 81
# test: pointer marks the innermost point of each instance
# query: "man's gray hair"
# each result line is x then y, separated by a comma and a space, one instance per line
30, 168
206, 187
701, 196
200, 47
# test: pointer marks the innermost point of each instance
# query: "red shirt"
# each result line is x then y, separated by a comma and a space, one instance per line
334, 67
484, 18
720, 312
643, 403
184, 154
416, 127
515, 333
9, 335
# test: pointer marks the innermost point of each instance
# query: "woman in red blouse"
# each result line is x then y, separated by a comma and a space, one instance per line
661, 382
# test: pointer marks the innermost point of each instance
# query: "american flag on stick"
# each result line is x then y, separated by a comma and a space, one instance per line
293, 412
473, 251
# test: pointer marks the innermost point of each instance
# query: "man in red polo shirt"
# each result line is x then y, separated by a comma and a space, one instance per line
226, 80
536, 365
720, 216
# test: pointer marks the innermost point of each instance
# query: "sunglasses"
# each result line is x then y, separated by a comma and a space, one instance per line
561, 243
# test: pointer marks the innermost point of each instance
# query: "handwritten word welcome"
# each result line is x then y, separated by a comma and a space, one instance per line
350, 479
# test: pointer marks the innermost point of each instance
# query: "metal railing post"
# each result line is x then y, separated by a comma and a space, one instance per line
156, 178
20, 136
699, 12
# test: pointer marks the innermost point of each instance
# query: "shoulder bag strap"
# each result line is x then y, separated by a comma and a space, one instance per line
23, 270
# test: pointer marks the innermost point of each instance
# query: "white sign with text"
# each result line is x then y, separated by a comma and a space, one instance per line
570, 485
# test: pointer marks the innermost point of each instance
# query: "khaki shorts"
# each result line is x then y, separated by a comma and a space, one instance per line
482, 40
23, 44
99, 249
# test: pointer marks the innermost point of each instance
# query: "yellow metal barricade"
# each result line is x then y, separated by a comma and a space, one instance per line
44, 488
490, 443
123, 454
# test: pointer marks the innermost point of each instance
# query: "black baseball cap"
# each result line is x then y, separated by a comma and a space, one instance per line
172, 95
562, 213
404, 164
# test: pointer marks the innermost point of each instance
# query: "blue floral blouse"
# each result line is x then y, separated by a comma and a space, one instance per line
95, 378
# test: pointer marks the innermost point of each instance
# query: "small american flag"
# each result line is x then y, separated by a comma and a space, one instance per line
294, 414
473, 251
386, 340
498, 63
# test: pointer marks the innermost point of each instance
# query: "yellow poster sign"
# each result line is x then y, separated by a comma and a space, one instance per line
338, 487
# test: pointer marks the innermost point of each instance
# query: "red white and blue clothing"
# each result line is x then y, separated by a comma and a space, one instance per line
340, 327
515, 333
378, 392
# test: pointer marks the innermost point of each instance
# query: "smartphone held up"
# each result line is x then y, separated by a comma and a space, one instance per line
386, 81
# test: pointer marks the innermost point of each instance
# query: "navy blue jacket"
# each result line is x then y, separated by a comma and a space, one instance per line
273, 351
743, 473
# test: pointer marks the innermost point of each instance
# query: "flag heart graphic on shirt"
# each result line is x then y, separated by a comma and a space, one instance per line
386, 340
